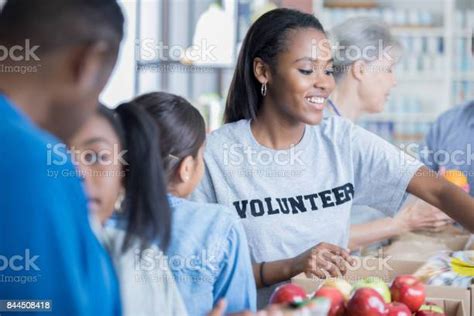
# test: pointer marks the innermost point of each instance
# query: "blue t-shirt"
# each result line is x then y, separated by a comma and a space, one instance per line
209, 257
47, 248
450, 142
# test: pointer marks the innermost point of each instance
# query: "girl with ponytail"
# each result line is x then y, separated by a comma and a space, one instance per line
208, 251
119, 159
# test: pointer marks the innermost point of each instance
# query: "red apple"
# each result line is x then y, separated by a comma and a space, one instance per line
336, 298
430, 309
287, 293
408, 290
366, 302
398, 309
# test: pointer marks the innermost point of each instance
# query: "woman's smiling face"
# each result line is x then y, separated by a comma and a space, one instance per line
302, 78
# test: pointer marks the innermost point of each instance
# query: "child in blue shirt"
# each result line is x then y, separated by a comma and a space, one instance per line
47, 249
208, 252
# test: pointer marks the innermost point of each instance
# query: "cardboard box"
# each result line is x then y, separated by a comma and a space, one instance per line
450, 307
458, 301
421, 246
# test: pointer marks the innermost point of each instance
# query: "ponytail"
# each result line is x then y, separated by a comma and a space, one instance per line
145, 206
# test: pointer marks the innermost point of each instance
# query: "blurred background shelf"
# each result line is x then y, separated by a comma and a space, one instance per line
406, 117
435, 73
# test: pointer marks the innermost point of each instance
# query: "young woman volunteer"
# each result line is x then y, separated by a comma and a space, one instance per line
363, 86
293, 177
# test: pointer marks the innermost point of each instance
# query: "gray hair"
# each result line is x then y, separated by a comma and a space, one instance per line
358, 35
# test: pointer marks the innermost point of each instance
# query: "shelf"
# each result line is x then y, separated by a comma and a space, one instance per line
422, 77
188, 67
466, 33
401, 118
347, 4
420, 31
459, 76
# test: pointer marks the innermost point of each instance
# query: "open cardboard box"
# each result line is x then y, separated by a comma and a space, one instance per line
456, 301
450, 307
420, 246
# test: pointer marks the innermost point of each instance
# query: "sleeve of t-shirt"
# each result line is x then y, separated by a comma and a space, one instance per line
382, 172
205, 191
236, 282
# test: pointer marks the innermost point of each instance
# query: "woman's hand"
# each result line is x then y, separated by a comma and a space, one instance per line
421, 216
324, 260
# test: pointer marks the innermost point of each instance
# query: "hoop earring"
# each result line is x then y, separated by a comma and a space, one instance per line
263, 90
119, 202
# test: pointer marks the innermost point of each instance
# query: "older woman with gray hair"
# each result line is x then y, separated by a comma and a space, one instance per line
364, 59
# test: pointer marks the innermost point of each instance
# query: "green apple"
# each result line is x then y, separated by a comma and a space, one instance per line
377, 284
342, 285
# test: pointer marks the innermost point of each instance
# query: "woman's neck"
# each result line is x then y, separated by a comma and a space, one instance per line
347, 101
275, 130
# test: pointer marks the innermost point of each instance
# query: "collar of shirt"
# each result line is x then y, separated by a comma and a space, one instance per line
173, 200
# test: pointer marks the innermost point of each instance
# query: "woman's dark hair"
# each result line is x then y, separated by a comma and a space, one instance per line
183, 130
145, 206
266, 38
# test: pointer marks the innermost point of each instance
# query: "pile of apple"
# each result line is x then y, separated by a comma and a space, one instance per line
367, 297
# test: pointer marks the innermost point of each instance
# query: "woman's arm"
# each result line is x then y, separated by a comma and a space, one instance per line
435, 190
416, 216
362, 235
321, 261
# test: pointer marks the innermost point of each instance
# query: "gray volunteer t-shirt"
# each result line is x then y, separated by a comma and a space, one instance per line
290, 200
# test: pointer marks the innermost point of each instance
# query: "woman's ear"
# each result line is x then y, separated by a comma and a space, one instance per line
185, 169
261, 70
358, 69
87, 65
